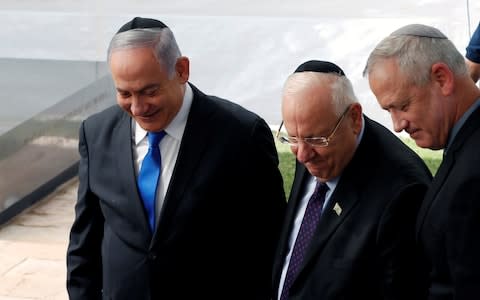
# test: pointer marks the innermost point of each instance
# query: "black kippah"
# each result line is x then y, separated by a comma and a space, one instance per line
319, 67
139, 22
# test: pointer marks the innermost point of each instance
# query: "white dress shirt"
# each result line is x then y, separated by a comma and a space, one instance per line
169, 147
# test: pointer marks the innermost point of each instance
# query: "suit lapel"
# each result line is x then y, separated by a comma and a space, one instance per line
345, 198
437, 183
132, 206
301, 175
192, 148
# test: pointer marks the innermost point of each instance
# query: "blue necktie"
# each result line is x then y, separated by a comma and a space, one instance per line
148, 175
305, 235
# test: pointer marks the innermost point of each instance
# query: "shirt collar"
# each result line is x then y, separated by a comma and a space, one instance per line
459, 124
177, 125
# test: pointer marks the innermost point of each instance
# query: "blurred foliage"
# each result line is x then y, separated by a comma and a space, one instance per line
432, 158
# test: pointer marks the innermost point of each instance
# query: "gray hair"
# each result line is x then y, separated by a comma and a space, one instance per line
416, 48
341, 87
161, 40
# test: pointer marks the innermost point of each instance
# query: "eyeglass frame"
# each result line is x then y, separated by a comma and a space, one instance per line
325, 140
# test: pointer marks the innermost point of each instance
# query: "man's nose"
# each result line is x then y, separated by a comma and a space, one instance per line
138, 107
303, 152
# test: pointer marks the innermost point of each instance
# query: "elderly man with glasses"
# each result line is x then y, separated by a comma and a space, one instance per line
349, 227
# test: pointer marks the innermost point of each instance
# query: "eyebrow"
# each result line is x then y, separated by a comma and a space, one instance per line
399, 103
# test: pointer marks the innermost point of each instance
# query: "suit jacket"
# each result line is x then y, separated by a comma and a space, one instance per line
449, 221
219, 223
368, 251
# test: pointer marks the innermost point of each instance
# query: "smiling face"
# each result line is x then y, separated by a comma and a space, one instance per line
420, 111
144, 89
309, 112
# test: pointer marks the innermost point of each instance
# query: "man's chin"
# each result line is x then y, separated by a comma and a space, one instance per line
423, 143
150, 127
318, 174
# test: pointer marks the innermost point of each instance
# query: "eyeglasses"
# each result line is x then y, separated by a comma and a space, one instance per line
320, 141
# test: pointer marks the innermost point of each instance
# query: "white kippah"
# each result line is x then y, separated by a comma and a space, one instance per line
419, 30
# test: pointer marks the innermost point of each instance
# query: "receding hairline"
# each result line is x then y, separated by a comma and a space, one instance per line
310, 82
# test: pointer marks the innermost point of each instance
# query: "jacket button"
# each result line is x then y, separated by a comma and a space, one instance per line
152, 256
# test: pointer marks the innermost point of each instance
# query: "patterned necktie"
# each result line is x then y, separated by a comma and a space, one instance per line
148, 175
305, 234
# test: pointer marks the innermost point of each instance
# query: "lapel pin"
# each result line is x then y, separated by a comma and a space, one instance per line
337, 209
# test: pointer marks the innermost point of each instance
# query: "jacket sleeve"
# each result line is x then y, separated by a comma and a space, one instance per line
268, 202
404, 274
463, 246
473, 48
84, 266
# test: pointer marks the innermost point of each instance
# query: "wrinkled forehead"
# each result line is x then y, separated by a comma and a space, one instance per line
308, 109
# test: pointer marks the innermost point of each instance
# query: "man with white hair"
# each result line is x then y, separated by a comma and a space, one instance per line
349, 227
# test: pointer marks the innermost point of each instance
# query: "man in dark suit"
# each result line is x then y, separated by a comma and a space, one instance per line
363, 244
211, 230
418, 75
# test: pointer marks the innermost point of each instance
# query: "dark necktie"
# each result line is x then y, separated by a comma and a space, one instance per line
305, 234
149, 174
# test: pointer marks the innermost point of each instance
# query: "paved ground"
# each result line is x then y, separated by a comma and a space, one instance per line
33, 247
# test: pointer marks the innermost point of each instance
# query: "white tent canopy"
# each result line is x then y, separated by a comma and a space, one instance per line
241, 50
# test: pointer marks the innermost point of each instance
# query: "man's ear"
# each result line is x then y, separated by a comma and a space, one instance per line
182, 69
443, 76
356, 117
